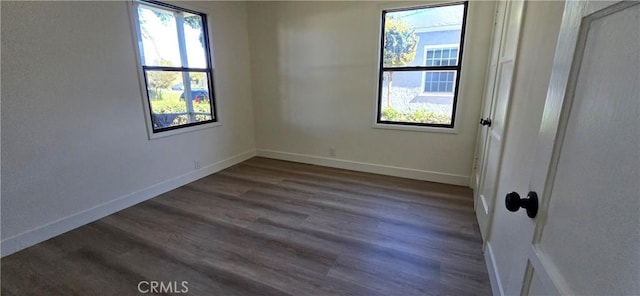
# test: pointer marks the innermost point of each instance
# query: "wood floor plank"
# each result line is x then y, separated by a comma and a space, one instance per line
270, 227
385, 278
195, 234
349, 246
411, 245
390, 196
315, 205
224, 208
202, 279
282, 265
80, 272
28, 271
399, 185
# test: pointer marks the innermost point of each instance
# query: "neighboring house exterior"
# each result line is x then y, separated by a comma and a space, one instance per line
439, 34
430, 50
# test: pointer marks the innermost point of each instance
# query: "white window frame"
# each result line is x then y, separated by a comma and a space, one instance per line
424, 75
137, 39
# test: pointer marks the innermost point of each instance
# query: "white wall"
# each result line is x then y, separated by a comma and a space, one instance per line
74, 142
314, 87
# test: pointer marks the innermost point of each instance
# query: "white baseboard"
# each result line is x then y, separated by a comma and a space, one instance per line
492, 269
39, 234
368, 167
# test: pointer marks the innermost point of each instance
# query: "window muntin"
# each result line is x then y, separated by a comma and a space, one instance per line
174, 49
420, 53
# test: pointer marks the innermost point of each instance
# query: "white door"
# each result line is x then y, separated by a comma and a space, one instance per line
496, 102
585, 239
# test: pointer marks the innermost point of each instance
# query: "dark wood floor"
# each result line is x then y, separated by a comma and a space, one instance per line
268, 227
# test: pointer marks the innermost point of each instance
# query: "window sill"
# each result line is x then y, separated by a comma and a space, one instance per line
414, 128
153, 136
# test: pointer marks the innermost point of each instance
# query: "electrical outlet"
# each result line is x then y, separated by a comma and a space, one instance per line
332, 151
196, 164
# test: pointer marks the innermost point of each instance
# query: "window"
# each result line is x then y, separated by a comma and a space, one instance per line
440, 81
420, 63
176, 64
441, 56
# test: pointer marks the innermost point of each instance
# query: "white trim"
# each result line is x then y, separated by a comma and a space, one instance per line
188, 129
41, 233
448, 45
492, 269
367, 167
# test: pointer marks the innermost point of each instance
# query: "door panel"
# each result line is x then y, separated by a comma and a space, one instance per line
509, 44
486, 199
591, 236
501, 102
494, 143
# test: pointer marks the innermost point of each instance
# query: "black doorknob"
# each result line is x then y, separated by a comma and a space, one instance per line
514, 202
486, 122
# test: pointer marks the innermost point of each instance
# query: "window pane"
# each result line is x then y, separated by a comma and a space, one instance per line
159, 37
422, 37
403, 98
439, 82
167, 93
194, 41
201, 96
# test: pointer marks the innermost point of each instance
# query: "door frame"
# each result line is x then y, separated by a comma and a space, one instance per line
490, 77
501, 21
